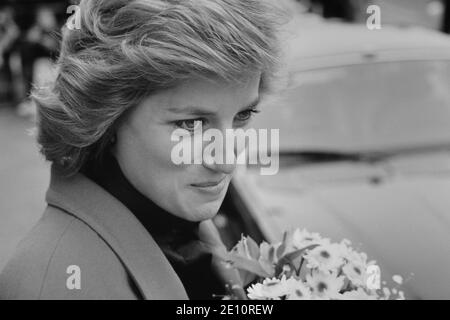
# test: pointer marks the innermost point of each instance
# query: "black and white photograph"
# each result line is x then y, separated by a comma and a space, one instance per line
225, 150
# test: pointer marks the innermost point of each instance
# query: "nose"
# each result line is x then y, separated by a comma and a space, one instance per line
223, 168
224, 157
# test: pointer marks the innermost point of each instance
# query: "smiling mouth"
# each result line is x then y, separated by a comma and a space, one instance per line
208, 184
211, 186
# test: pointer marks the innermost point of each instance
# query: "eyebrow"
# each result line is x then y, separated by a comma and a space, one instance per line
192, 110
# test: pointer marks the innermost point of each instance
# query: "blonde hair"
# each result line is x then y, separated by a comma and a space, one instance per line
126, 50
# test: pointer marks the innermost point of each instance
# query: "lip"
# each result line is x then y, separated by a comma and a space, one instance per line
211, 186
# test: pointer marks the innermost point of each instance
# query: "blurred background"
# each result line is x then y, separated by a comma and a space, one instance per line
365, 138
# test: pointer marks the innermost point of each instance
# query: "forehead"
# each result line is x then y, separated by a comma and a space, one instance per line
208, 95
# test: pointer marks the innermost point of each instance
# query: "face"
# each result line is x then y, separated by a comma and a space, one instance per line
144, 146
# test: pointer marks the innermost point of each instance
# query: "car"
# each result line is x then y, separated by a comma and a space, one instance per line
364, 120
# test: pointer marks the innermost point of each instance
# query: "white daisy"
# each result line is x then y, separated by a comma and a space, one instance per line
303, 238
297, 290
325, 257
270, 289
325, 285
355, 272
256, 292
353, 256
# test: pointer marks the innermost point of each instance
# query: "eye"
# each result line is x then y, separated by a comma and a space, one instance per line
246, 115
189, 125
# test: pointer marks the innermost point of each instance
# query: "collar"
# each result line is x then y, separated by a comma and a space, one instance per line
119, 228
164, 227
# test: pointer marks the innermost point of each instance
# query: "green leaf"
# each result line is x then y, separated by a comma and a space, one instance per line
253, 248
290, 259
282, 246
267, 266
249, 265
272, 254
247, 248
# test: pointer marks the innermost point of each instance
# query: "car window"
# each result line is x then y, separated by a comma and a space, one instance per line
363, 107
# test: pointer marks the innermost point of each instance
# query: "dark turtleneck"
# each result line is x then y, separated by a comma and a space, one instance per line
176, 237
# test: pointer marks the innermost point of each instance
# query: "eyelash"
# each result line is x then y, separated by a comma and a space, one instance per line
251, 113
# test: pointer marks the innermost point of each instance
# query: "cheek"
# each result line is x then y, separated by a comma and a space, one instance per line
144, 153
158, 152
166, 178
155, 147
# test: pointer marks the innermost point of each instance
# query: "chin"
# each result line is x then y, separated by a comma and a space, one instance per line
204, 211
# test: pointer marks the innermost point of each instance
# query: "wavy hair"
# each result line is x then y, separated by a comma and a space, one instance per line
126, 50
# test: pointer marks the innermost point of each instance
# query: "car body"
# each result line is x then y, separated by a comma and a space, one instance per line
364, 120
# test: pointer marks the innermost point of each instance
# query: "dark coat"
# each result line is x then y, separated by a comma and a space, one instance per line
85, 226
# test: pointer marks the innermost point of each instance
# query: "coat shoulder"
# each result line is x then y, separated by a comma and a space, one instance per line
63, 258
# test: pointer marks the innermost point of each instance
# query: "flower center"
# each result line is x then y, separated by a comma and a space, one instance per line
272, 283
322, 286
324, 254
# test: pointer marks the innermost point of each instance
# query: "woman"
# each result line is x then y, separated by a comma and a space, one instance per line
123, 221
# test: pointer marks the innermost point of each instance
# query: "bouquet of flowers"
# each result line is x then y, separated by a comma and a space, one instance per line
305, 266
